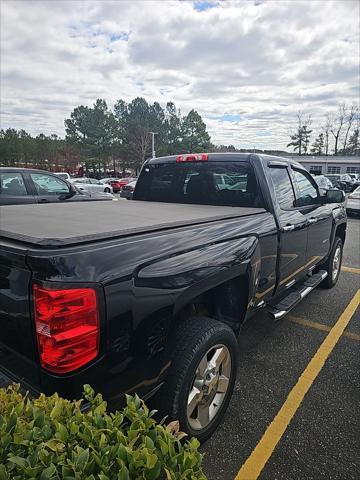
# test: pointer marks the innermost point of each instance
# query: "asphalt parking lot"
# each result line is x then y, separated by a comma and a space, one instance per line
313, 435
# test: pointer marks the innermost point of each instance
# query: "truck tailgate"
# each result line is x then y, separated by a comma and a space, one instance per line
56, 225
16, 326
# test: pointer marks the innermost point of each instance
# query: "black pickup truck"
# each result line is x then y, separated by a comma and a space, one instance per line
150, 295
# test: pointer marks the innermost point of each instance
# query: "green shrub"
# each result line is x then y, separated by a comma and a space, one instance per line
51, 438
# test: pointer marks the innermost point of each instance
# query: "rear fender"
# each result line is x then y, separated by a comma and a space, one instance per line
192, 273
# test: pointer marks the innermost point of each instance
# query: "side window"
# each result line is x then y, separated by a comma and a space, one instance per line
12, 184
48, 185
307, 193
283, 187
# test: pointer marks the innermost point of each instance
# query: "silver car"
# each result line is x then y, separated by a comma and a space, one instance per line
323, 183
353, 202
91, 185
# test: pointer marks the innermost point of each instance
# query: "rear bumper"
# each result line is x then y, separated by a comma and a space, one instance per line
353, 205
126, 194
7, 378
15, 369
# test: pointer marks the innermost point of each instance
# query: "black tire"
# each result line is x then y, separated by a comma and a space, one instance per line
331, 279
107, 190
194, 338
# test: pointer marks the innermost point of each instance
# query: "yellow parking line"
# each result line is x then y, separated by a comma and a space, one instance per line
350, 269
319, 326
264, 449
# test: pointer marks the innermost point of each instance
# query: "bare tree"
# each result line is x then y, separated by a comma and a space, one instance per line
350, 117
337, 124
306, 132
139, 146
326, 130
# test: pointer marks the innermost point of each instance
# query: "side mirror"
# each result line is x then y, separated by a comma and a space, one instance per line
335, 196
73, 189
71, 193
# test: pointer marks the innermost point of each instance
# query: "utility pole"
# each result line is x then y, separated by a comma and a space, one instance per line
153, 143
114, 165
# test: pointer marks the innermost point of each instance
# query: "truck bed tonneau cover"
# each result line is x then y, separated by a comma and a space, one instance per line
59, 225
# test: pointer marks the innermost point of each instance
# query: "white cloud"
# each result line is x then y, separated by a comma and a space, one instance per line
246, 66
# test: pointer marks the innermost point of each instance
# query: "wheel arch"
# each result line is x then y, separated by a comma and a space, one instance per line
340, 232
226, 302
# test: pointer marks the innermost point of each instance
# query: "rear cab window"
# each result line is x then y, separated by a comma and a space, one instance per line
205, 183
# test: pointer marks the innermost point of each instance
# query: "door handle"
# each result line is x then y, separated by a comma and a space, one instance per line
288, 228
312, 220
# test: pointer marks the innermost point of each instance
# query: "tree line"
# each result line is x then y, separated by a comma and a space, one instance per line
338, 135
100, 138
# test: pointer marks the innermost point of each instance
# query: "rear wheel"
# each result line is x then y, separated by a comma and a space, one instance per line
107, 190
202, 376
333, 265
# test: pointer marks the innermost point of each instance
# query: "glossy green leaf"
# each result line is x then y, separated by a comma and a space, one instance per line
21, 462
51, 443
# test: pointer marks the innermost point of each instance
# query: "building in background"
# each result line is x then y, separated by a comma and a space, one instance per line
323, 165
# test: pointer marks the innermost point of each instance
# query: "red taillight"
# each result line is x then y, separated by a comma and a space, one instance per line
194, 157
67, 327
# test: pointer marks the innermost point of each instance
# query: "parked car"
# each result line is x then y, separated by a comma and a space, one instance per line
91, 185
323, 183
355, 178
114, 182
346, 177
25, 185
98, 195
125, 181
63, 175
128, 190
150, 295
340, 182
353, 202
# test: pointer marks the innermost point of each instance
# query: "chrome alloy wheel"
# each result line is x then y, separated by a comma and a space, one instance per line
336, 263
209, 387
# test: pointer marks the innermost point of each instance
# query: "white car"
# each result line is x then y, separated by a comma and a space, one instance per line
353, 202
63, 175
91, 185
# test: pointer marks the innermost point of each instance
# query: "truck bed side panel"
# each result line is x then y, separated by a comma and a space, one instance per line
146, 279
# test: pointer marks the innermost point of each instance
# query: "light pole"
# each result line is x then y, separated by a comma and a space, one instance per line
153, 143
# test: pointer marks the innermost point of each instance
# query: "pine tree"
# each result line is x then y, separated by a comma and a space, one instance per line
318, 145
354, 143
194, 133
301, 138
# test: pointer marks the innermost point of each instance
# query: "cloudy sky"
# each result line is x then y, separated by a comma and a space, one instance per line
246, 66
